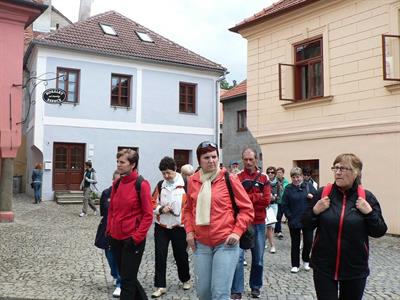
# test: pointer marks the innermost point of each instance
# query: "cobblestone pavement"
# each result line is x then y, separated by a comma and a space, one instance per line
48, 253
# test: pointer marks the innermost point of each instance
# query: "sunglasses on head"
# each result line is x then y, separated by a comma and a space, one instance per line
208, 144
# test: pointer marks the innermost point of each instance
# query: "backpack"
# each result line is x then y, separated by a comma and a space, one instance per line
328, 188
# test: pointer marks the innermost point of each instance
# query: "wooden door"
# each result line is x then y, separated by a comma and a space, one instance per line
181, 158
68, 166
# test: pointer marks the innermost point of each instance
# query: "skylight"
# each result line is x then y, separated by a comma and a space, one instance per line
144, 37
108, 29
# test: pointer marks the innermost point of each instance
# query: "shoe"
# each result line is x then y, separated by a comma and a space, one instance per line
306, 266
244, 263
96, 212
255, 293
82, 214
236, 296
159, 292
280, 235
294, 270
272, 250
117, 292
186, 285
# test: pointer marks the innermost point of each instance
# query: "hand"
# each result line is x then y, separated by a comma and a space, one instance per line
166, 209
363, 206
232, 239
310, 196
190, 241
321, 205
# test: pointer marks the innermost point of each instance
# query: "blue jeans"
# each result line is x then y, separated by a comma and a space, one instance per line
37, 190
238, 278
113, 266
214, 268
257, 257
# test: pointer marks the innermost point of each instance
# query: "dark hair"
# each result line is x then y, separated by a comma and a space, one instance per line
131, 155
167, 163
271, 168
251, 149
205, 147
280, 169
88, 163
306, 171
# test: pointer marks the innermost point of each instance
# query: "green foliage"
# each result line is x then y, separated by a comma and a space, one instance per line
94, 195
224, 84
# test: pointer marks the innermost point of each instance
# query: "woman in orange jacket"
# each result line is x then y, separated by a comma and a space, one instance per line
212, 230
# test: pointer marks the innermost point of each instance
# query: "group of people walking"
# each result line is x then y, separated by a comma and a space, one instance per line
209, 211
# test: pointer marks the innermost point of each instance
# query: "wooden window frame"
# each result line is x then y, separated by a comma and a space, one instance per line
186, 85
119, 96
66, 83
384, 36
239, 113
184, 152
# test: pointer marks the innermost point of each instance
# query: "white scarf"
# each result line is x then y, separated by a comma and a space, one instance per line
203, 207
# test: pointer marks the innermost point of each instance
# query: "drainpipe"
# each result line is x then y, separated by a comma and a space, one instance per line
217, 129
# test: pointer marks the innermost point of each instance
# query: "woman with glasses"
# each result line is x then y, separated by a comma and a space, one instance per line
296, 201
344, 220
212, 230
168, 200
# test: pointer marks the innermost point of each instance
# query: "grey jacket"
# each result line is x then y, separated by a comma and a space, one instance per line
92, 180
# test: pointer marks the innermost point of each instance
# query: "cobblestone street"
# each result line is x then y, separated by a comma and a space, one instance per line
48, 253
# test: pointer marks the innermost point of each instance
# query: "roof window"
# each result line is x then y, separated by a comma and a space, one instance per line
108, 29
144, 37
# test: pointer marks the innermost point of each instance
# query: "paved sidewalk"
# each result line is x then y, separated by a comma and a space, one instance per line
48, 254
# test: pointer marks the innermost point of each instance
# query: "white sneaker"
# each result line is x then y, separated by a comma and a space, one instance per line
117, 292
186, 285
306, 266
159, 292
244, 263
272, 250
82, 214
266, 247
294, 270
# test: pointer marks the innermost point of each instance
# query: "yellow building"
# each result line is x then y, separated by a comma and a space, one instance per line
324, 78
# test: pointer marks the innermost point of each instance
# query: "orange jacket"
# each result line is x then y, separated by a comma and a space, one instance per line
222, 220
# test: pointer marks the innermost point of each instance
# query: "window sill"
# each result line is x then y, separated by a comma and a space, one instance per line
393, 87
121, 107
310, 102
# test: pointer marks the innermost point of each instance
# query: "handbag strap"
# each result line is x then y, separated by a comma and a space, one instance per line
231, 195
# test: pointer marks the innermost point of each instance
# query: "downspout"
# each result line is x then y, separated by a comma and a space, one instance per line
217, 130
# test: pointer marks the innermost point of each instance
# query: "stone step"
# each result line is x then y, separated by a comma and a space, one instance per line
71, 197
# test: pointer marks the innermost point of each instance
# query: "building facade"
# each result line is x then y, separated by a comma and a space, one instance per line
323, 79
127, 87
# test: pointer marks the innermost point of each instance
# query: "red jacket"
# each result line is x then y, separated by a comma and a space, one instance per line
259, 193
127, 215
222, 220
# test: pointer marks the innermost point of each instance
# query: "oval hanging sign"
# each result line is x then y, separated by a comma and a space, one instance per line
54, 96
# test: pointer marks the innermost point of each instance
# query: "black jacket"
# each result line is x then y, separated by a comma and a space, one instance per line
102, 241
295, 203
343, 254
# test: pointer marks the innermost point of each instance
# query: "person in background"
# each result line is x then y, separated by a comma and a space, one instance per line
257, 187
129, 219
187, 170
295, 202
344, 221
307, 177
88, 185
37, 178
282, 182
234, 167
273, 182
104, 241
167, 204
212, 230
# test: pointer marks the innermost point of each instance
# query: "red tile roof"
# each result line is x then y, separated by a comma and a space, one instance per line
270, 12
237, 91
88, 36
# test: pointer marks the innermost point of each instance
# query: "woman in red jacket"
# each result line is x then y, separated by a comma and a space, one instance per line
213, 233
129, 218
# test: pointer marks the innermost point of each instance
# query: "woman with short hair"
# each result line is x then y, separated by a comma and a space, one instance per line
37, 178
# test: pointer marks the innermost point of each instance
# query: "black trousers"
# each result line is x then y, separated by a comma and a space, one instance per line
129, 256
327, 288
295, 245
162, 237
279, 215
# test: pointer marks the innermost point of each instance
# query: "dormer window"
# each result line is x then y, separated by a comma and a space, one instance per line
108, 29
144, 37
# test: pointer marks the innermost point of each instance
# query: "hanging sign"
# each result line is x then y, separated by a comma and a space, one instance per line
54, 96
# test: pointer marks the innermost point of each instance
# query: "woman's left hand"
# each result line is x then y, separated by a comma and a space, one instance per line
232, 239
363, 206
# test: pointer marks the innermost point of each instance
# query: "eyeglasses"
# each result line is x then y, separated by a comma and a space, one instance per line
270, 172
341, 169
208, 144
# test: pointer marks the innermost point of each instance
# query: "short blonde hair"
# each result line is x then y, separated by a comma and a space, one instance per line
296, 171
353, 160
187, 170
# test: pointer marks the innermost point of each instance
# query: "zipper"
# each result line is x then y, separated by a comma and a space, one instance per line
339, 238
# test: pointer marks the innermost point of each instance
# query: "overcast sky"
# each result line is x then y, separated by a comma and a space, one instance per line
199, 25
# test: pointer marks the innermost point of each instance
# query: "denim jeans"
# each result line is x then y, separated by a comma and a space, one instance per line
257, 257
113, 266
214, 268
37, 190
238, 278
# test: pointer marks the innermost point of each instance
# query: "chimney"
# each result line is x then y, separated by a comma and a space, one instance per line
43, 22
84, 9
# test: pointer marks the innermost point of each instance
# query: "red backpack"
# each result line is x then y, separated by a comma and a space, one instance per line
328, 188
